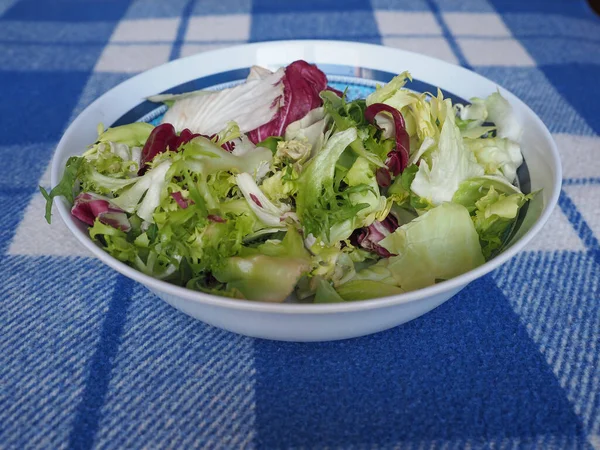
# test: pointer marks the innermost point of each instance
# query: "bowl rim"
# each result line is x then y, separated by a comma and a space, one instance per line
154, 284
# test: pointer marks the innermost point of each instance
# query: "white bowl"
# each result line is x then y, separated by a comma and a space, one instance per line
312, 322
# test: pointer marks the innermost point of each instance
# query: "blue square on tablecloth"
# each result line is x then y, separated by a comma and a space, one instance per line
13, 202
23, 164
472, 6
556, 296
97, 85
221, 7
348, 25
55, 57
192, 382
49, 333
468, 371
36, 106
401, 5
560, 50
55, 32
150, 9
67, 10
277, 6
541, 7
551, 25
578, 84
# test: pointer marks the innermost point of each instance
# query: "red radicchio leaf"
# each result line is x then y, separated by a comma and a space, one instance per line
182, 202
88, 206
390, 223
229, 146
215, 218
368, 237
255, 200
302, 84
383, 177
397, 160
163, 138
184, 137
157, 143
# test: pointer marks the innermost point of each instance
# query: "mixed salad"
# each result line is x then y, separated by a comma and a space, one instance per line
281, 185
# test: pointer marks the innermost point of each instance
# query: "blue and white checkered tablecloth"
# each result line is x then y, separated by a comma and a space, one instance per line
89, 359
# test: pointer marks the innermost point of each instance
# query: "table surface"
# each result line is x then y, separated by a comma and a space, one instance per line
90, 359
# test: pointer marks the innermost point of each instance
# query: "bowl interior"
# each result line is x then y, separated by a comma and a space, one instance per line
361, 66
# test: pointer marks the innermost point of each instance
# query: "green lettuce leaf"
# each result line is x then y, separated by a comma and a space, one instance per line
495, 109
318, 205
133, 134
295, 152
361, 176
136, 252
451, 164
347, 115
422, 113
310, 128
402, 195
366, 289
200, 283
387, 91
378, 272
65, 187
280, 185
113, 158
115, 241
113, 165
204, 156
440, 244
270, 143
470, 191
268, 212
211, 246
269, 272
494, 216
145, 195
494, 206
502, 115
326, 293
498, 156
332, 263
229, 133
